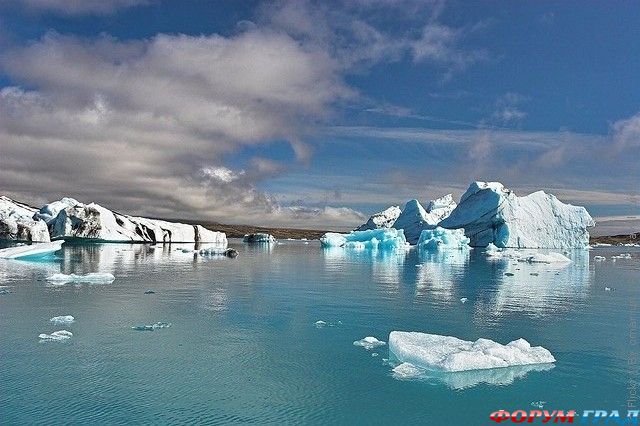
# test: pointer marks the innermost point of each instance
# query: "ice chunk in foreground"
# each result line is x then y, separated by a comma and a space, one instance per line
94, 278
369, 343
446, 353
383, 219
371, 239
56, 336
441, 238
258, 238
491, 213
63, 320
32, 250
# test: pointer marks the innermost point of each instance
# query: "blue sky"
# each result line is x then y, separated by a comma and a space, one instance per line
306, 113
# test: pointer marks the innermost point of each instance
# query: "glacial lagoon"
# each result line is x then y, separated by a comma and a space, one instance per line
244, 343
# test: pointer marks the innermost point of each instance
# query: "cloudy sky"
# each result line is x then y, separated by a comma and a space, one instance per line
316, 114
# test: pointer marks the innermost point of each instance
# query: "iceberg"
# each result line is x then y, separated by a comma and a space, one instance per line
441, 238
94, 222
413, 220
151, 327
32, 250
491, 213
260, 238
450, 354
383, 219
369, 343
63, 320
56, 336
370, 239
93, 278
17, 223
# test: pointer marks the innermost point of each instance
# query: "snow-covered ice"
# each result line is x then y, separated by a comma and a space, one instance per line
92, 221
17, 222
369, 343
94, 278
370, 239
56, 336
446, 353
441, 238
441, 208
32, 250
63, 319
383, 219
491, 213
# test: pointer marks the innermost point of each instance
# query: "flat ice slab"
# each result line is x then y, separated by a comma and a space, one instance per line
34, 250
56, 336
94, 277
63, 320
525, 255
369, 343
446, 353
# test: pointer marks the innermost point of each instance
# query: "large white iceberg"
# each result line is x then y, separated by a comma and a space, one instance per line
441, 238
371, 239
448, 354
32, 250
95, 222
383, 219
491, 213
17, 223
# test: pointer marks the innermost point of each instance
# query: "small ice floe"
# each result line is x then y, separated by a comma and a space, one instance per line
92, 278
599, 258
464, 300
149, 292
621, 256
450, 354
406, 371
601, 245
56, 336
151, 327
320, 324
524, 255
374, 354
63, 320
369, 343
538, 404
607, 289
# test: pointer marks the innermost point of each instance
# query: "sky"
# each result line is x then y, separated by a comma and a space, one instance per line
316, 114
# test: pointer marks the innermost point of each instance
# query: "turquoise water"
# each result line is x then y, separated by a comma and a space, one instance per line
243, 346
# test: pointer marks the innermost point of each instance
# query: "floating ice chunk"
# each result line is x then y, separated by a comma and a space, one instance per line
383, 219
33, 250
406, 371
621, 256
56, 336
320, 324
370, 239
599, 258
464, 300
601, 245
607, 289
441, 238
63, 320
94, 278
151, 327
369, 343
446, 353
259, 237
